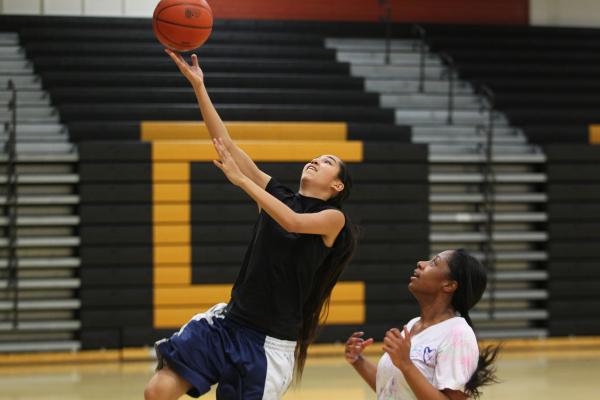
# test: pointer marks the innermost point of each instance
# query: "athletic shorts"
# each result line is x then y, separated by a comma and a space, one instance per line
212, 349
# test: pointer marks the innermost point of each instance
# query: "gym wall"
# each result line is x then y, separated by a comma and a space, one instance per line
585, 13
460, 11
163, 235
573, 228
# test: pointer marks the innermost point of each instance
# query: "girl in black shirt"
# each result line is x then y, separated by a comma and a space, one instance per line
301, 243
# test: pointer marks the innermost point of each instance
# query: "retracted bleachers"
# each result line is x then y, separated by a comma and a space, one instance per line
574, 222
38, 283
545, 79
162, 232
417, 85
154, 253
278, 71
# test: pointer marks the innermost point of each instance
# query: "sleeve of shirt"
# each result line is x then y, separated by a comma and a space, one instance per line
457, 359
409, 325
279, 191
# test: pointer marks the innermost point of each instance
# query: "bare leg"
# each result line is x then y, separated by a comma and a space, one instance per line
166, 385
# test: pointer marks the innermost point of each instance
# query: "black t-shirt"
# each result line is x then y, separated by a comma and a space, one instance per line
278, 270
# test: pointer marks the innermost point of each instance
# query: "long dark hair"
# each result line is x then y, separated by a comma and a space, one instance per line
316, 306
471, 277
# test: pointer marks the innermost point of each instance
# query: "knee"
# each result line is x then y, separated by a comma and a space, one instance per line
152, 392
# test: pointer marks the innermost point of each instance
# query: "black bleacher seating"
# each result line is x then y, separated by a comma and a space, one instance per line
389, 202
105, 70
574, 234
106, 75
545, 79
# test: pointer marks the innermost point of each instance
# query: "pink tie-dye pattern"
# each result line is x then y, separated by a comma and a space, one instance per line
455, 360
467, 362
457, 338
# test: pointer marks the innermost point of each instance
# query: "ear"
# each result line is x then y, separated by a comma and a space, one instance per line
338, 186
449, 286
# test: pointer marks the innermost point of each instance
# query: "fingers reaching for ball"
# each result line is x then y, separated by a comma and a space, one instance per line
193, 73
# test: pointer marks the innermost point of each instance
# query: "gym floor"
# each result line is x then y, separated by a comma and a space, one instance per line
548, 374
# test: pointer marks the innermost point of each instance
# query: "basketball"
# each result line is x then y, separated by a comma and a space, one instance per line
182, 25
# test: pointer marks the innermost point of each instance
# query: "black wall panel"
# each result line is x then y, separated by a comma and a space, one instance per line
574, 237
389, 203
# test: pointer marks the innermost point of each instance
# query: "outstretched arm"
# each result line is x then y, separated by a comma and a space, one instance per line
327, 223
213, 121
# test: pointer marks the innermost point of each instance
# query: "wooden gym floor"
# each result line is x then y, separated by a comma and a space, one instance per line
548, 370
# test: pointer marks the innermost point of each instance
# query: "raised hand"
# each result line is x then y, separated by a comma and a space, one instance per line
227, 163
397, 345
355, 345
193, 73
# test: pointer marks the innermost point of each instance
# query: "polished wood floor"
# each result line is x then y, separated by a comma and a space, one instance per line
542, 375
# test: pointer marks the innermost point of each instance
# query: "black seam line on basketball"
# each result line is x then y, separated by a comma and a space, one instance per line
186, 4
174, 45
183, 26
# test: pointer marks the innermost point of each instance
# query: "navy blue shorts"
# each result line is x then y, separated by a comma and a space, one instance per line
212, 349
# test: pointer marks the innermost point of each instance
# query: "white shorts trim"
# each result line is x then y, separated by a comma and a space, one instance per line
280, 367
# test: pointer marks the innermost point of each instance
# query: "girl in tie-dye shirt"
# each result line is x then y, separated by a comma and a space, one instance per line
436, 355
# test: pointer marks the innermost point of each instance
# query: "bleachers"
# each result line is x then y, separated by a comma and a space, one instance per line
110, 81
574, 218
546, 80
163, 232
457, 175
265, 70
38, 311
106, 85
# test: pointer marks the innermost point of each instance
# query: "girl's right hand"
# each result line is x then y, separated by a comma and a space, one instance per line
193, 73
227, 164
355, 345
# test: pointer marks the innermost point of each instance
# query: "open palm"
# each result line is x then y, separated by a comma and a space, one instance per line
192, 72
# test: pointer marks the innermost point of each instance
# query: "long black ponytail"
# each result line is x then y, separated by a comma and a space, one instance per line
472, 281
316, 307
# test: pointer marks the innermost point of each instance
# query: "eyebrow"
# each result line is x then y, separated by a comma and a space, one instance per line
435, 259
331, 158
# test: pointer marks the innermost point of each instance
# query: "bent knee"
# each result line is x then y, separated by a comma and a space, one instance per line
153, 392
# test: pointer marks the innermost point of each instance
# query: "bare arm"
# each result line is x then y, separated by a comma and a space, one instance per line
327, 223
398, 348
355, 345
425, 390
215, 125
367, 370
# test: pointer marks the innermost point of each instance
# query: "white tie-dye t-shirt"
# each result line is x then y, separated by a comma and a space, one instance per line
446, 353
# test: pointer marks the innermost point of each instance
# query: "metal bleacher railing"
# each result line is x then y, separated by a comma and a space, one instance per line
12, 281
488, 171
420, 32
38, 282
449, 73
489, 194
386, 17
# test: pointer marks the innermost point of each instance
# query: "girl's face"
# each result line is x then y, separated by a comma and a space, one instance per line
323, 172
432, 276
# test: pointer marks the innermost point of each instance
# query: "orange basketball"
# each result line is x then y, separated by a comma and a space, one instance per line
182, 25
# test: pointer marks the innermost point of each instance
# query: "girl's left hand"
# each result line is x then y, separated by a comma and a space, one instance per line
227, 164
398, 347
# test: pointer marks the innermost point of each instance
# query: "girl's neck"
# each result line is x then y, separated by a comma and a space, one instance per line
307, 191
435, 312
